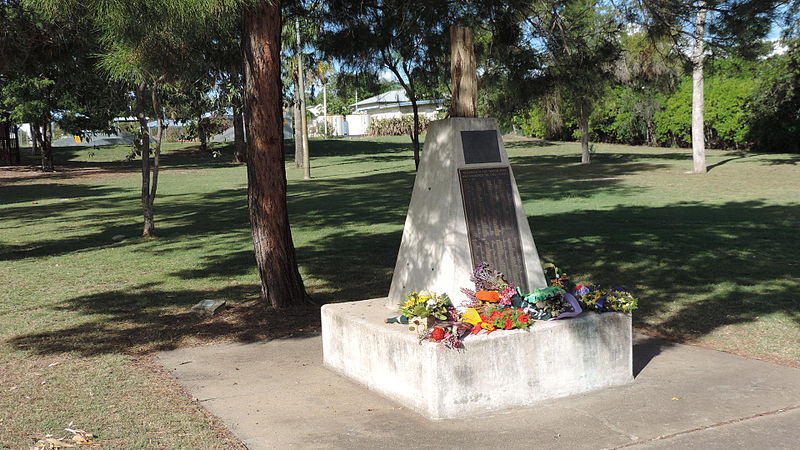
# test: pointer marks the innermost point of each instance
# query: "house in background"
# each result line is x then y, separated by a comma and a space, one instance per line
391, 104
394, 104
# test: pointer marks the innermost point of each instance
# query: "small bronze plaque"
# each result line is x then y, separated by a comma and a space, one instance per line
492, 226
480, 146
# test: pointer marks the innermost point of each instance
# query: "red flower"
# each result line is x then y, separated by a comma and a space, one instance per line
476, 329
523, 318
509, 324
495, 315
438, 333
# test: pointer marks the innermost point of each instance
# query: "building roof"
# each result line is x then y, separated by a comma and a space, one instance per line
397, 97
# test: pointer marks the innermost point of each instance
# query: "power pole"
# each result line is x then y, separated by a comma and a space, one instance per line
303, 120
325, 106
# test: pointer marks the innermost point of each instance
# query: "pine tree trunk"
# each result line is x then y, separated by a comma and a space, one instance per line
281, 284
698, 99
149, 228
586, 157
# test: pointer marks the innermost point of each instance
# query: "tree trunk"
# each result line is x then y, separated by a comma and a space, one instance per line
281, 284
415, 130
35, 138
45, 140
586, 157
303, 115
47, 145
201, 133
239, 145
651, 133
157, 150
298, 138
463, 73
698, 100
144, 147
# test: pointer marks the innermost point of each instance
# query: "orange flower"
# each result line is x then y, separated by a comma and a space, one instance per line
488, 296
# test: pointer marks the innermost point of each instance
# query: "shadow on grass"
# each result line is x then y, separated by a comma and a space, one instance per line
524, 143
556, 177
145, 319
696, 268
39, 192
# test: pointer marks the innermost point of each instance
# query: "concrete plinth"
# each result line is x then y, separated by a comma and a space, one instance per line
496, 371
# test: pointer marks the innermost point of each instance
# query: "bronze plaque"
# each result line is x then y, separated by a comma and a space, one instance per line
480, 146
492, 226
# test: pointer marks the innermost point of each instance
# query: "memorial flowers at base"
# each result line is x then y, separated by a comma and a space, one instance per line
496, 304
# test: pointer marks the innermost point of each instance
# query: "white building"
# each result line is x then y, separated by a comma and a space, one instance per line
388, 105
396, 104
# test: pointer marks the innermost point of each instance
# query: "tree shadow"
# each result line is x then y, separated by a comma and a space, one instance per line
42, 192
526, 143
144, 319
352, 147
726, 161
544, 177
697, 267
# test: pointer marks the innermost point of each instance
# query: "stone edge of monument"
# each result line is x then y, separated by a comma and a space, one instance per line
553, 359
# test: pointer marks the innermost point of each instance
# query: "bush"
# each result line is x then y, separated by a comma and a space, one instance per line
727, 95
774, 111
396, 126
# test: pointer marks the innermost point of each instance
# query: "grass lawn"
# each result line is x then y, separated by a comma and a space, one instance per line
713, 259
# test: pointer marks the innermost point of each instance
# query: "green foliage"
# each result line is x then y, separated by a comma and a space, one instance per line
621, 116
396, 126
727, 93
531, 123
774, 111
209, 125
26, 98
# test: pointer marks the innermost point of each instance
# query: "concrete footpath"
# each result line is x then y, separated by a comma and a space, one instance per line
277, 395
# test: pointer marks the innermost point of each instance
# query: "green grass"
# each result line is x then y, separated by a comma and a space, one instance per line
712, 258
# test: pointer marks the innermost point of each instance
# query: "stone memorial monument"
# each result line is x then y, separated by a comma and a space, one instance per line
466, 209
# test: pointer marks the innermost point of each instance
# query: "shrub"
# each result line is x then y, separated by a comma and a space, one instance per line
396, 126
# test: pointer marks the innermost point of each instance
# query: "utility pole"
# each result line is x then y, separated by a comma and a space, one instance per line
325, 106
303, 120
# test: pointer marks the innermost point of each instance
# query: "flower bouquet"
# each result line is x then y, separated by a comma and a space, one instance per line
423, 308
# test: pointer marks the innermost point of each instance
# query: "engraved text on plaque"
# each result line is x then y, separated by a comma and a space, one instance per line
491, 219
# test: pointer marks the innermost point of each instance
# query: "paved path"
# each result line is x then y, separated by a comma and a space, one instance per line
279, 395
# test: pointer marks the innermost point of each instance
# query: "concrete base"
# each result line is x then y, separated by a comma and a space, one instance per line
496, 371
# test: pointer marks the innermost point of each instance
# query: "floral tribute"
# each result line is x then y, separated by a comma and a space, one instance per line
426, 304
496, 304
